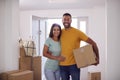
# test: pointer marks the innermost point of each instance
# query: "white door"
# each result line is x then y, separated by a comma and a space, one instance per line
35, 32
39, 36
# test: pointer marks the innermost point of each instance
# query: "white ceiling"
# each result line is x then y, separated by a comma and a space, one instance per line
59, 4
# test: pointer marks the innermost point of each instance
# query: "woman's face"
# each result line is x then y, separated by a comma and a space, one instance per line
56, 31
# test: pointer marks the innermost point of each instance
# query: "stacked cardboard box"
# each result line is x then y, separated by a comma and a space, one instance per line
12, 75
29, 68
25, 63
37, 68
4, 75
94, 75
30, 63
23, 75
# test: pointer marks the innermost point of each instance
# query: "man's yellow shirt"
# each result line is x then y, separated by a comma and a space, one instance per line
70, 39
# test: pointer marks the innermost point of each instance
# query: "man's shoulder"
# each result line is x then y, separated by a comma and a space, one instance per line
75, 29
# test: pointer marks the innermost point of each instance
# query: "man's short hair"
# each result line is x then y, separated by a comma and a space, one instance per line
67, 14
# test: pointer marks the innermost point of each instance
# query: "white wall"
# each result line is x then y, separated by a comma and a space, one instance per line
113, 44
96, 28
9, 23
2, 35
25, 25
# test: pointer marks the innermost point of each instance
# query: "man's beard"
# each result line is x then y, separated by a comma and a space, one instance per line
66, 25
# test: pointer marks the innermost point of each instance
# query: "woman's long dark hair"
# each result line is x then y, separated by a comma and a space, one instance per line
51, 30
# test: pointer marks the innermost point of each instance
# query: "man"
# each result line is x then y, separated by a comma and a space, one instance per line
70, 39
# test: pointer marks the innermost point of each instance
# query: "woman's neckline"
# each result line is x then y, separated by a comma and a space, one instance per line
54, 40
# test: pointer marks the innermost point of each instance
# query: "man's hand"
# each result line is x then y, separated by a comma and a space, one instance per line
97, 62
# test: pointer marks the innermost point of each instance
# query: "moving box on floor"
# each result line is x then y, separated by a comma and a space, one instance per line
94, 75
4, 75
23, 75
37, 68
31, 63
25, 63
84, 56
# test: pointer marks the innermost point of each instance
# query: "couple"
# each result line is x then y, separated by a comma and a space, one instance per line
59, 47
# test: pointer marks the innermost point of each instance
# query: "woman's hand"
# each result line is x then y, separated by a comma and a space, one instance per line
60, 58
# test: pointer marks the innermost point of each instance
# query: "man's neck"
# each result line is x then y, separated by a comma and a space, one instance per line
67, 28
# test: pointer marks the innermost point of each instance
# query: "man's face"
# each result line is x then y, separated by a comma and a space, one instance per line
66, 21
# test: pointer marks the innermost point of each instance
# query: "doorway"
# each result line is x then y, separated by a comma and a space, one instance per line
40, 31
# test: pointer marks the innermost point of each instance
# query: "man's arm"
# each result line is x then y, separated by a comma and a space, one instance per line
95, 48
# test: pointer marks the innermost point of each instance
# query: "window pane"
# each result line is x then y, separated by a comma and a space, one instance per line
83, 26
83, 29
74, 23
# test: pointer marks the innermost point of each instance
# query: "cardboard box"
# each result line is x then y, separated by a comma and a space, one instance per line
25, 63
37, 67
22, 52
84, 56
24, 75
94, 75
31, 63
4, 75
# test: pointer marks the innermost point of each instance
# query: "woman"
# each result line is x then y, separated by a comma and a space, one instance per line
52, 51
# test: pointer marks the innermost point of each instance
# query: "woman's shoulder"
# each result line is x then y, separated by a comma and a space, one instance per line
48, 39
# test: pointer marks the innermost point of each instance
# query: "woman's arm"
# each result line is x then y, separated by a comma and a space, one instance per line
47, 54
